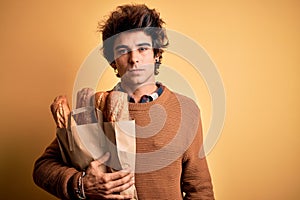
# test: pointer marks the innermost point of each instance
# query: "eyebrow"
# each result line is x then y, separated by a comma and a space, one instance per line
144, 44
139, 45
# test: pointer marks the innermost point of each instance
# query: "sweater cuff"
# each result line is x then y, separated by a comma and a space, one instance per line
72, 184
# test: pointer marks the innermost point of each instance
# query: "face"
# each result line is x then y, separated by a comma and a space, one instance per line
134, 58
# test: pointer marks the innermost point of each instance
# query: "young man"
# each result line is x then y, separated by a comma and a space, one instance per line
169, 132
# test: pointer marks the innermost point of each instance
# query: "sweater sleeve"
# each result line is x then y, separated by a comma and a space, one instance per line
51, 174
196, 180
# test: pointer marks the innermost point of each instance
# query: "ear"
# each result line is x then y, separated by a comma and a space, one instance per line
113, 65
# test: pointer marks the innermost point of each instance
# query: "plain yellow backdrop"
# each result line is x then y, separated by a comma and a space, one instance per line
255, 45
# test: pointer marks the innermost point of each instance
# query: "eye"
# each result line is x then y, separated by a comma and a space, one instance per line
143, 49
122, 51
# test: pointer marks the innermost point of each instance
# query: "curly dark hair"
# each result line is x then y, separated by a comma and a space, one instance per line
133, 17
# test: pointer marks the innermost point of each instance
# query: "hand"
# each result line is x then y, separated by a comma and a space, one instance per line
100, 185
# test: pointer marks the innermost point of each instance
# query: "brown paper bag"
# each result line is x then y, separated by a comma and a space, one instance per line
121, 143
87, 138
81, 144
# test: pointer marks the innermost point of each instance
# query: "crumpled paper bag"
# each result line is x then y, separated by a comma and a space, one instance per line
83, 137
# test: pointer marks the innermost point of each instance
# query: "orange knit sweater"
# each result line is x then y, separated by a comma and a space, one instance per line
169, 139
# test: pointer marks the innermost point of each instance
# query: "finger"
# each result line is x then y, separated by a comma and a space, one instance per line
102, 195
119, 196
120, 174
109, 188
119, 184
122, 187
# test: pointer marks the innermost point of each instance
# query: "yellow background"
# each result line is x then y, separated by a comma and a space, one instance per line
255, 45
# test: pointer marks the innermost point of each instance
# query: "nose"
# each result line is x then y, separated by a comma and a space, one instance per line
134, 56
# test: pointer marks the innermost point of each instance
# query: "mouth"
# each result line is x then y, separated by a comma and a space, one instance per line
136, 70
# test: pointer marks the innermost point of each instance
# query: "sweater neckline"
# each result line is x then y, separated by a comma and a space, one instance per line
145, 106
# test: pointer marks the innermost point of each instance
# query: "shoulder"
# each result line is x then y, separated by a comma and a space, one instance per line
184, 101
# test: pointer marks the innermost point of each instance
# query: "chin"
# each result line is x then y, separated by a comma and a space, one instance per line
137, 82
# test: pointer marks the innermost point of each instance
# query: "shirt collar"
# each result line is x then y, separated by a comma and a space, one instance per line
144, 98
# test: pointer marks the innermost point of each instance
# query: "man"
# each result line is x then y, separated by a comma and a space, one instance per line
168, 125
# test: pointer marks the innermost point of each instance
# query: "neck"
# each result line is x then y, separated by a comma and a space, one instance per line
137, 92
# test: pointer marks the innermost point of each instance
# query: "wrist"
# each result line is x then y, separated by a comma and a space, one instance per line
73, 186
79, 187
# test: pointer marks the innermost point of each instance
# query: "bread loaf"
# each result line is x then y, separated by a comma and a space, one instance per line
117, 106
114, 105
60, 111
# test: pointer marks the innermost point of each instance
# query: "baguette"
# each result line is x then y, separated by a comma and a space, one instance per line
117, 106
114, 105
60, 111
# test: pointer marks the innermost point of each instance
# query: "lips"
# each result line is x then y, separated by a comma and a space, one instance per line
136, 70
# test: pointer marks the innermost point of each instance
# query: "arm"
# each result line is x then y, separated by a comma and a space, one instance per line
196, 180
51, 174
62, 180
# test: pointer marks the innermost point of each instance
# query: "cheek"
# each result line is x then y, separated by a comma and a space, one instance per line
120, 62
150, 59
120, 66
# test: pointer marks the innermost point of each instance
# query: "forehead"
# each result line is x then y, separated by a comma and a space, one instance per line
132, 39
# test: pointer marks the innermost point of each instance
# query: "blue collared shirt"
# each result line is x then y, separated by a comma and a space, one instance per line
144, 98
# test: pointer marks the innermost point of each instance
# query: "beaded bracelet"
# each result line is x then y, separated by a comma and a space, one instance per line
80, 190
